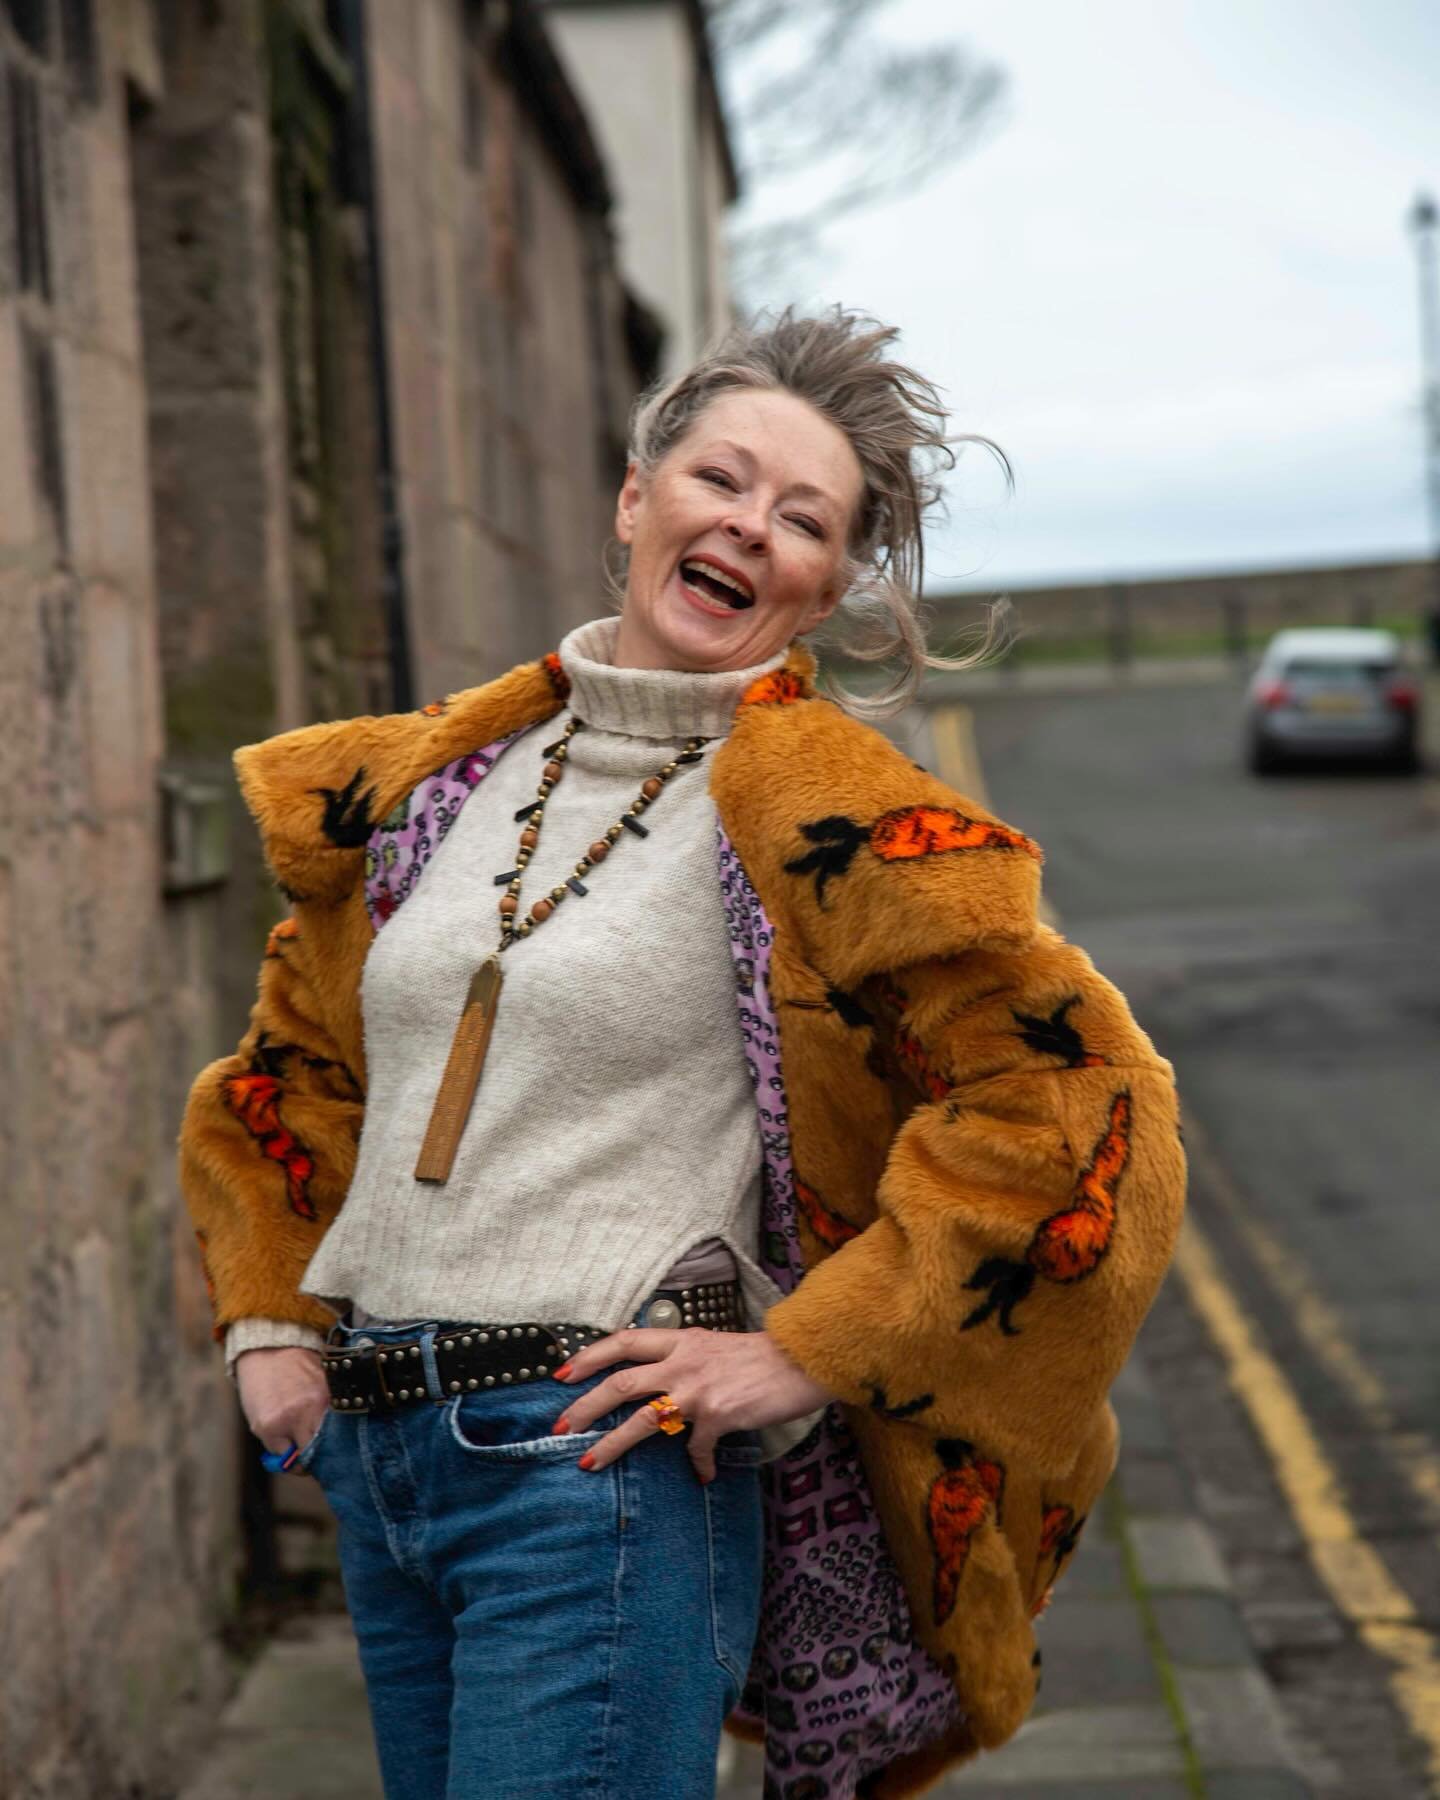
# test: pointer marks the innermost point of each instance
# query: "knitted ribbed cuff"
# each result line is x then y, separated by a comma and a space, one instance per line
268, 1334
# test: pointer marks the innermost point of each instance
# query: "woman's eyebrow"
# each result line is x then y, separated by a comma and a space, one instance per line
798, 490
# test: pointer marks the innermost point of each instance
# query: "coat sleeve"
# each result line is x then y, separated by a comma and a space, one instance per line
1025, 1215
267, 1149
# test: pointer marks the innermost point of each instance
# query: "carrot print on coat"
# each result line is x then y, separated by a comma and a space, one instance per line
935, 830
255, 1101
781, 687
1056, 1036
969, 1488
899, 836
287, 928
1070, 1244
555, 672
828, 1226
1059, 1533
903, 1053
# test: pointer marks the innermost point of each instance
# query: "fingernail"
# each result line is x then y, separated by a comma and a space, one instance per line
587, 1461
561, 1424
561, 1372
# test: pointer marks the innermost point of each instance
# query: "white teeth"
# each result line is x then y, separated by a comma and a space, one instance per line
717, 575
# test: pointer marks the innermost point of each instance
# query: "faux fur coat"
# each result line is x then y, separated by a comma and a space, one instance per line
973, 1181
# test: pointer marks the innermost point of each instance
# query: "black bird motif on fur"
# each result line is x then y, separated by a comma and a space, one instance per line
836, 841
1009, 1283
347, 820
907, 1410
848, 1009
1056, 1036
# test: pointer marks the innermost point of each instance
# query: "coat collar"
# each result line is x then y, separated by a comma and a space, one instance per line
868, 860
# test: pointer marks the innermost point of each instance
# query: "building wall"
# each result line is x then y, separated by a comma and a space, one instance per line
507, 359
190, 558
634, 65
117, 1513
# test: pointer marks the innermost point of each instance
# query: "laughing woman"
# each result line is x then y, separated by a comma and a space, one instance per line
684, 1207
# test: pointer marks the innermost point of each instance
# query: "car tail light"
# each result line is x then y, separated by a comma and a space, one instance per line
1404, 696
1274, 693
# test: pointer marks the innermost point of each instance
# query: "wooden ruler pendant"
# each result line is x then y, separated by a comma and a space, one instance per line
462, 1074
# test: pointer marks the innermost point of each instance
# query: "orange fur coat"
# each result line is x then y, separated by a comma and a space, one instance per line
988, 1172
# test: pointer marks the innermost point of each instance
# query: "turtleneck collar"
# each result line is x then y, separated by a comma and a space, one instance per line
651, 703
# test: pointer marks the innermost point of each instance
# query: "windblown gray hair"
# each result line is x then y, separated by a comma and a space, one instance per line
895, 421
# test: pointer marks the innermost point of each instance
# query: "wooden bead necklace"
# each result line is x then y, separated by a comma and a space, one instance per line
457, 1088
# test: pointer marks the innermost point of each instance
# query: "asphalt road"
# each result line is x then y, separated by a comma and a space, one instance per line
1278, 940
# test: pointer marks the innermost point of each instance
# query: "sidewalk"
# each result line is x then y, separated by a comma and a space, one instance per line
1151, 1688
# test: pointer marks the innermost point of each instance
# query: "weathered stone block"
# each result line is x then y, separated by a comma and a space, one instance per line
119, 642
19, 523
30, 1692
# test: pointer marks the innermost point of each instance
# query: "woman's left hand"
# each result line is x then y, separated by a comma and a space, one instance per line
720, 1380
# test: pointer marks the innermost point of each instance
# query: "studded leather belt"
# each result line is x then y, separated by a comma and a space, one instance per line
380, 1377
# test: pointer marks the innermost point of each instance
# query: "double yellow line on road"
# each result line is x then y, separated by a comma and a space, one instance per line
1351, 1569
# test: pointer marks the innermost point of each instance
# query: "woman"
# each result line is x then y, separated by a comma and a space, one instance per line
621, 1264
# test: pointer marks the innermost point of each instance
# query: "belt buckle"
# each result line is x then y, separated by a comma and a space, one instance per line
382, 1354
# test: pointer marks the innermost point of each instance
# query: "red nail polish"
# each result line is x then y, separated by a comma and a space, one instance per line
561, 1372
587, 1461
561, 1424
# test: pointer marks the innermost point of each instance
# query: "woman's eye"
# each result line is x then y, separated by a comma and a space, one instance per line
812, 526
718, 478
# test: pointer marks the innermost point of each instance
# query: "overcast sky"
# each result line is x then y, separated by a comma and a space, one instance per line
1174, 283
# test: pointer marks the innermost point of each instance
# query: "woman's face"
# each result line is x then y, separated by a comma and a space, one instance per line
738, 538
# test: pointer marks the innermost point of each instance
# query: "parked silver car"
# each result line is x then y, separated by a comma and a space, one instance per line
1338, 693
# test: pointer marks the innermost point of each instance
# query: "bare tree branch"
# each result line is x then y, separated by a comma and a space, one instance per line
815, 93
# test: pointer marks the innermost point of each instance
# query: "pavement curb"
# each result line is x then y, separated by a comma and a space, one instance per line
1152, 1688
1225, 1707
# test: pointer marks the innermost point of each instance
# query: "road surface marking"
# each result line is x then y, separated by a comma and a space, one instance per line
957, 760
952, 730
1358, 1580
1414, 1456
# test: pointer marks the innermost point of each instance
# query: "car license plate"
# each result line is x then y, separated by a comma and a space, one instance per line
1335, 703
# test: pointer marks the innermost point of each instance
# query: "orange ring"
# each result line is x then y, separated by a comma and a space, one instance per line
667, 1412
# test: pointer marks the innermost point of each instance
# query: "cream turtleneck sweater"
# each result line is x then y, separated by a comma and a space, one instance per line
614, 1127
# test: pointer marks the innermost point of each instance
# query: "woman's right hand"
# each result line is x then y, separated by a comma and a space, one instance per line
283, 1394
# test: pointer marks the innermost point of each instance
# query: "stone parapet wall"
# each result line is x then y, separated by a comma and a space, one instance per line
1241, 609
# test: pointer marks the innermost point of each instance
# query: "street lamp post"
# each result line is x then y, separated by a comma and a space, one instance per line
1423, 220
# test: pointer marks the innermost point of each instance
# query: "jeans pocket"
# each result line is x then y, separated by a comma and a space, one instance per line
487, 1431
733, 1543
312, 1443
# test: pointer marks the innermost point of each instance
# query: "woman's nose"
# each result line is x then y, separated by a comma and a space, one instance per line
747, 531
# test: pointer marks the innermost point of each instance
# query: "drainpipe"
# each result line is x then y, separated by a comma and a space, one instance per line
361, 161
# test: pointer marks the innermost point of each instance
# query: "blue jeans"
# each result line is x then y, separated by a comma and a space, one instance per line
529, 1630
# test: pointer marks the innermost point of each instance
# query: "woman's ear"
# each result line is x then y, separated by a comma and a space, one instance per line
829, 599
626, 504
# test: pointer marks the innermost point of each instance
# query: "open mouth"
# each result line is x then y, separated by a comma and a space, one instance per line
713, 583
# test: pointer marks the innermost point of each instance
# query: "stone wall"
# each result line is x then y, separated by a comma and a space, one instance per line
192, 555
1238, 611
510, 370
117, 1518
